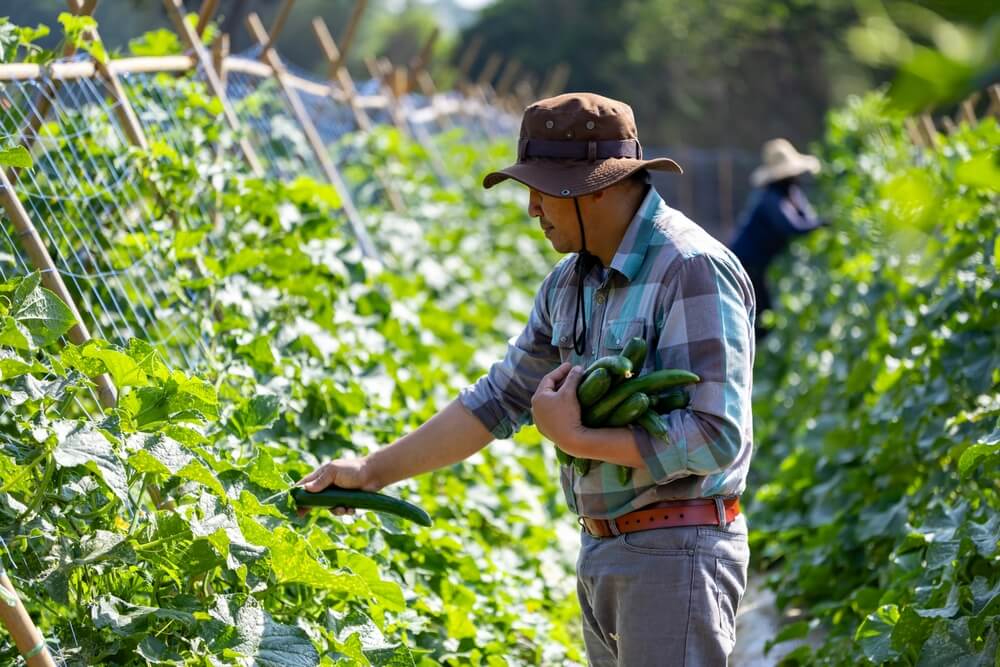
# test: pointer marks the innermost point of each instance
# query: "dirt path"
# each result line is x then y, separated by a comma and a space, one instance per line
759, 620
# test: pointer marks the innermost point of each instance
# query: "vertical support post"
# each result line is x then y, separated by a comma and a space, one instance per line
40, 259
193, 41
208, 8
506, 79
376, 71
557, 80
926, 124
347, 39
273, 60
467, 58
15, 618
913, 131
968, 109
490, 69
220, 51
278, 25
994, 94
338, 73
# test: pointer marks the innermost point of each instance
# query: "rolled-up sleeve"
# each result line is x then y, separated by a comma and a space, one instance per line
501, 399
708, 329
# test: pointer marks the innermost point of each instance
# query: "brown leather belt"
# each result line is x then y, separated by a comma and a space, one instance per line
666, 514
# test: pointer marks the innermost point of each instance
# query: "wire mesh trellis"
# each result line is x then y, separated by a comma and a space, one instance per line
86, 198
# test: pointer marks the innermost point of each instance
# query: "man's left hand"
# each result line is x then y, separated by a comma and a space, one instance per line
555, 407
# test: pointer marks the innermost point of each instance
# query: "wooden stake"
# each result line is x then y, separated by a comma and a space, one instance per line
914, 132
994, 94
193, 42
926, 124
220, 51
278, 25
421, 60
968, 109
208, 8
507, 78
272, 58
39, 256
490, 69
339, 73
26, 636
347, 39
556, 82
469, 57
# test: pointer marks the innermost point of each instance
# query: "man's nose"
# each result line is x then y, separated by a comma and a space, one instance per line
534, 205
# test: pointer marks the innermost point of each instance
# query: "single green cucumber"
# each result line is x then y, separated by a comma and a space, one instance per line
333, 496
593, 387
618, 366
671, 400
582, 466
651, 421
629, 410
635, 352
650, 383
624, 475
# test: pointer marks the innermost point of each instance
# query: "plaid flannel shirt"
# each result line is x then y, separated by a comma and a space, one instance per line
687, 295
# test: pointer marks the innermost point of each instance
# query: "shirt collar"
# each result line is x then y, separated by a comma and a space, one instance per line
631, 251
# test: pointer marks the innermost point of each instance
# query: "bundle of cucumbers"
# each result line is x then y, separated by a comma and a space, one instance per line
611, 396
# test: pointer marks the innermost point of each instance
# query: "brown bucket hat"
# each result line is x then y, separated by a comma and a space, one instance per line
575, 144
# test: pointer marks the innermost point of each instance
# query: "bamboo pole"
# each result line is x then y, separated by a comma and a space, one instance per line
506, 79
468, 57
338, 73
994, 94
347, 39
208, 8
220, 51
490, 69
556, 83
39, 256
278, 25
330, 171
15, 618
377, 71
913, 131
968, 109
193, 41
926, 125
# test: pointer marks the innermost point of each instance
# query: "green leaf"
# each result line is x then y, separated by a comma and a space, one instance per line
124, 371
40, 311
875, 634
79, 446
254, 415
796, 630
980, 171
260, 639
15, 156
14, 334
126, 619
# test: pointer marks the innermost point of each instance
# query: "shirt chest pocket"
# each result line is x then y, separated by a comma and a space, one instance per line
617, 334
562, 339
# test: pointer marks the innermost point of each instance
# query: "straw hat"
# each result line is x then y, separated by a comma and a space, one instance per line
575, 144
781, 160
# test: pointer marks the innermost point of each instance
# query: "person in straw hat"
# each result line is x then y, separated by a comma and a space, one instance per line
778, 211
663, 558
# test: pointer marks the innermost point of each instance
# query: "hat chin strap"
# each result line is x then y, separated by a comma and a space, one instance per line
584, 262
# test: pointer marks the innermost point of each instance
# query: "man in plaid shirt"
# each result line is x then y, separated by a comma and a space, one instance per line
663, 559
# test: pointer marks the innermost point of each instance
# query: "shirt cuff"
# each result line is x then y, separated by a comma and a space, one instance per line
663, 459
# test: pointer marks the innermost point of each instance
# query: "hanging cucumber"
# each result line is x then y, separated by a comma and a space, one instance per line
337, 497
630, 410
651, 383
671, 400
593, 387
635, 352
650, 420
624, 475
617, 366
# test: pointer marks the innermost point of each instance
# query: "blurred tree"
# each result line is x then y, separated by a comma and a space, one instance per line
728, 73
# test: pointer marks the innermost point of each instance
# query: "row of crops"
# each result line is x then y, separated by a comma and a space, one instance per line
149, 533
877, 403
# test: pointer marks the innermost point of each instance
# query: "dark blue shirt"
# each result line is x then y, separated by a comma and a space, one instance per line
775, 214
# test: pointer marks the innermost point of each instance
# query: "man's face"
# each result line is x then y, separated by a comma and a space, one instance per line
557, 218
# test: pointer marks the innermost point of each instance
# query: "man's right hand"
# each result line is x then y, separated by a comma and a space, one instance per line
344, 473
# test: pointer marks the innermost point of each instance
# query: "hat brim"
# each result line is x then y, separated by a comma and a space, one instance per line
805, 164
574, 178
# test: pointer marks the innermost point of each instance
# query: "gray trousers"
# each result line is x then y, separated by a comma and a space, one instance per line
662, 597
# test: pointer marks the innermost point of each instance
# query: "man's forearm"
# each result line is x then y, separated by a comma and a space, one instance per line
450, 436
613, 445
